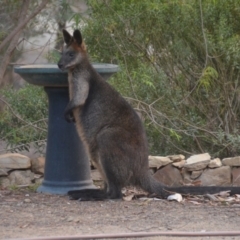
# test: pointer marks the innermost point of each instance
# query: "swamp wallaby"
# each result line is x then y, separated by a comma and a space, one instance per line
111, 130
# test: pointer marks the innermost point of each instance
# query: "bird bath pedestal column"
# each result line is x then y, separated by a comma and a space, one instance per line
66, 166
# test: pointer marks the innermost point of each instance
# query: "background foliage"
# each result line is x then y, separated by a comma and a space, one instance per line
25, 119
179, 68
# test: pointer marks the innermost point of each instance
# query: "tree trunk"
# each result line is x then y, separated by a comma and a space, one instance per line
13, 37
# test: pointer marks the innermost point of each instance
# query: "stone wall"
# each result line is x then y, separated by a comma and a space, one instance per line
19, 170
199, 170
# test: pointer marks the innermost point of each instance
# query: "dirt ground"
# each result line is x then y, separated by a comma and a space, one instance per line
26, 214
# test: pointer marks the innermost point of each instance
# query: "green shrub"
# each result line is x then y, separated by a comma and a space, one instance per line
179, 66
24, 119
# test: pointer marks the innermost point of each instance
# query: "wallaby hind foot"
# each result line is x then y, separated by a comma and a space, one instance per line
96, 194
88, 195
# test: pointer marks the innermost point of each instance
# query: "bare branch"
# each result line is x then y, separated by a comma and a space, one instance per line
14, 36
7, 55
23, 23
203, 32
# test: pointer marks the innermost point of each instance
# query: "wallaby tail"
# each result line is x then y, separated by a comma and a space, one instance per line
202, 190
152, 185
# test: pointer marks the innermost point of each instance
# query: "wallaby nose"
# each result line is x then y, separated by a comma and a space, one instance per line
60, 65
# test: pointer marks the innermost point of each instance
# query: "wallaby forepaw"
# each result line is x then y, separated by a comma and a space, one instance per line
69, 117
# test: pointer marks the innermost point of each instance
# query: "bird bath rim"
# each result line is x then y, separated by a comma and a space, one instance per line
49, 75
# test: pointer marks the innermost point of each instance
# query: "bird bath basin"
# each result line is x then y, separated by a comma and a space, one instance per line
66, 166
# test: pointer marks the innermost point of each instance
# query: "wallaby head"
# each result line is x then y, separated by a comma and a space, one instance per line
74, 52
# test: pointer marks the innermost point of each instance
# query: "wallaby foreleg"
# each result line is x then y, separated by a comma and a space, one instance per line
78, 94
68, 113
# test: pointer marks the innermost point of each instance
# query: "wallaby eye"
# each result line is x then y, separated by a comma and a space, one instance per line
71, 54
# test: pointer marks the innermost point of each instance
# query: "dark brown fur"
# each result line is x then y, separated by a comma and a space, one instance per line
111, 130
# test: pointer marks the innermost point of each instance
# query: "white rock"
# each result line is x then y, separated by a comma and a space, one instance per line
233, 162
175, 197
158, 161
197, 162
176, 158
216, 162
179, 164
14, 161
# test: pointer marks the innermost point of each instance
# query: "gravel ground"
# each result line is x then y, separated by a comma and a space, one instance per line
26, 214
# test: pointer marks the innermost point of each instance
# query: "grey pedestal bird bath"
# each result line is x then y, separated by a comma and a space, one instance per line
66, 166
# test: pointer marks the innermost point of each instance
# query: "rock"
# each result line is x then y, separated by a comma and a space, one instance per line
216, 177
38, 180
21, 177
179, 164
196, 174
38, 165
175, 197
158, 161
234, 161
70, 219
3, 172
186, 176
216, 162
4, 182
197, 162
169, 176
14, 161
235, 176
176, 158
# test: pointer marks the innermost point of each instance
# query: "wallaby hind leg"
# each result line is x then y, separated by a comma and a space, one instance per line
112, 156
110, 191
114, 191
92, 194
111, 187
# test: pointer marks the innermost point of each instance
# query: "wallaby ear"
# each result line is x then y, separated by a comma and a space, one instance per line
78, 37
67, 37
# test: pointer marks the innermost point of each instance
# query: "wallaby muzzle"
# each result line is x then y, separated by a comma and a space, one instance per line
60, 65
